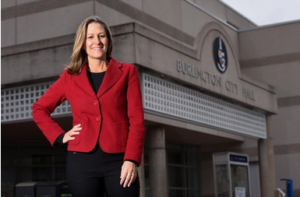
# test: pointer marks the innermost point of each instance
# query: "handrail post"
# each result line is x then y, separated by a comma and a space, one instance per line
289, 187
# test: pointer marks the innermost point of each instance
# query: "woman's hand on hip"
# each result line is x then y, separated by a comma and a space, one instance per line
128, 173
70, 135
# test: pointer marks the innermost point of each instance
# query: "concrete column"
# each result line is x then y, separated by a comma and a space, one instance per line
157, 162
267, 163
141, 171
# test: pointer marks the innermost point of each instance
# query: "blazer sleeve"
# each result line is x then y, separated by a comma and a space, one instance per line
135, 112
46, 104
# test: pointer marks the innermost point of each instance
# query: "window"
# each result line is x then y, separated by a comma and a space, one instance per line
183, 165
30, 161
183, 170
48, 167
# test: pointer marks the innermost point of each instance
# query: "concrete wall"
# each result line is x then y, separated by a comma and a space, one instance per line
26, 21
9, 3
34, 65
36, 25
39, 21
272, 55
225, 13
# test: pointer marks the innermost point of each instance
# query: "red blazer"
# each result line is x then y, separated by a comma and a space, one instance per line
114, 116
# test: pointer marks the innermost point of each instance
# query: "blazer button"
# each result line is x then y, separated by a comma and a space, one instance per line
95, 102
98, 119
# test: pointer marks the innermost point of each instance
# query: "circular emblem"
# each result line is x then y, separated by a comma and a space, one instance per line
220, 55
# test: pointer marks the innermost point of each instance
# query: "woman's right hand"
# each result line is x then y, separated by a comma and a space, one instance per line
70, 135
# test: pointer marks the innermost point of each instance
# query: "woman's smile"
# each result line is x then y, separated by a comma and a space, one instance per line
96, 43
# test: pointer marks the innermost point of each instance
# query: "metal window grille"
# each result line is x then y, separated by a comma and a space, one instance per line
175, 100
16, 103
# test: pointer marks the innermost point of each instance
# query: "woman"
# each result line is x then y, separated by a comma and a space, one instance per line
106, 142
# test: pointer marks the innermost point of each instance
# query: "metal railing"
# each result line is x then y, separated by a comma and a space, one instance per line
280, 193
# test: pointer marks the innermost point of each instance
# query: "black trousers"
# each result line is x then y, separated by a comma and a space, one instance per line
97, 174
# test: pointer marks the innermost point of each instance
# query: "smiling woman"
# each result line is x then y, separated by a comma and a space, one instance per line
92, 32
106, 142
96, 42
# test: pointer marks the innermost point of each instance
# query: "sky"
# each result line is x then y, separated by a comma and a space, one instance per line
266, 12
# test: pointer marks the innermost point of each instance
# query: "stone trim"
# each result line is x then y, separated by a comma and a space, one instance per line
288, 101
271, 60
38, 45
253, 152
287, 149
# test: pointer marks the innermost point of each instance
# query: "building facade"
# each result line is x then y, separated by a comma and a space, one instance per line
211, 82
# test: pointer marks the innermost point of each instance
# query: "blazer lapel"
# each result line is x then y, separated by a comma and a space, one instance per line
112, 75
83, 81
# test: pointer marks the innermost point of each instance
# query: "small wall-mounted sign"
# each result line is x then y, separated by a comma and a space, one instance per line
220, 55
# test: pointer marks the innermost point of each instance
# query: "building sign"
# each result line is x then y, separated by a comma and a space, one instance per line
196, 72
220, 55
238, 158
240, 192
214, 80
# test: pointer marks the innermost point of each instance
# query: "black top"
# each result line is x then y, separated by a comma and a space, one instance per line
96, 81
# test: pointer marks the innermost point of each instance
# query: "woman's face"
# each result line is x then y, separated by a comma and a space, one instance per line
96, 42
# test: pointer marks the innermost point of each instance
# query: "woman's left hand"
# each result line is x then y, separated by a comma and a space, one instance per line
128, 173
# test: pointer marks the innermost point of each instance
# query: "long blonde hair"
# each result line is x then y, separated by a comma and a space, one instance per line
79, 56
